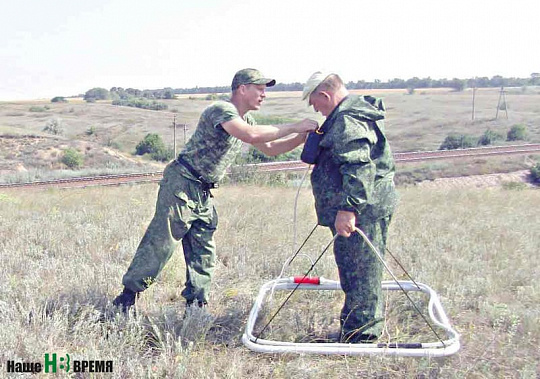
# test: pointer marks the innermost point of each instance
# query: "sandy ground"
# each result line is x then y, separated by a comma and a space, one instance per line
478, 181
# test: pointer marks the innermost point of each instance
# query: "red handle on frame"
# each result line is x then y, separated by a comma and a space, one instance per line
307, 280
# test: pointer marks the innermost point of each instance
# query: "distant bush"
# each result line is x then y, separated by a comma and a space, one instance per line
489, 137
255, 156
263, 119
59, 99
72, 158
91, 131
35, 108
514, 186
458, 141
457, 84
517, 133
151, 144
215, 96
535, 173
164, 155
139, 102
96, 94
54, 126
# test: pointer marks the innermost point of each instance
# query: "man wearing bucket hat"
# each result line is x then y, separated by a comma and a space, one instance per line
353, 186
184, 208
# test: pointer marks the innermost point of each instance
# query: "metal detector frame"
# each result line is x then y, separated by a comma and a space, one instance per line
433, 349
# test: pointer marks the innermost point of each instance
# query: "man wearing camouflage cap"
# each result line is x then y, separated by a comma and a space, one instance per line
353, 186
184, 208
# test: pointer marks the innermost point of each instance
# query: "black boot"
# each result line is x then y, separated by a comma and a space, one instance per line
353, 337
126, 299
200, 304
192, 305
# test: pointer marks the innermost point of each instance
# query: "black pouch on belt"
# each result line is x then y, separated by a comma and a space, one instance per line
311, 149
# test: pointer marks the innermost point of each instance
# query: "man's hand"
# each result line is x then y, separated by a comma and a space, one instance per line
345, 223
306, 125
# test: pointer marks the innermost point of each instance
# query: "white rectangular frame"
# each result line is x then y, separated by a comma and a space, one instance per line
433, 349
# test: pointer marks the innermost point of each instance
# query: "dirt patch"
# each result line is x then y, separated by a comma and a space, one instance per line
21, 153
478, 181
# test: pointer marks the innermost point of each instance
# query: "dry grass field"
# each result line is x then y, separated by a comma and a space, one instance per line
107, 135
63, 254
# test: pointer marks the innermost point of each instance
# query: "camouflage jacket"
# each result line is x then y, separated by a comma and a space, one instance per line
355, 167
211, 150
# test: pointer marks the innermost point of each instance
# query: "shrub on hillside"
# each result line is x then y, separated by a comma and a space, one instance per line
489, 137
151, 144
72, 158
59, 99
91, 131
535, 173
517, 133
96, 94
35, 108
142, 103
164, 155
255, 156
264, 119
458, 141
54, 126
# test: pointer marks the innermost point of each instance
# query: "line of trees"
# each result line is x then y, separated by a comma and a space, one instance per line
455, 83
119, 93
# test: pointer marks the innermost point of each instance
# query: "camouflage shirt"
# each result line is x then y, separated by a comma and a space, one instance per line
211, 150
355, 167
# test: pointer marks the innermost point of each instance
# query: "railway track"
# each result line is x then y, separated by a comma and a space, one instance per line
419, 156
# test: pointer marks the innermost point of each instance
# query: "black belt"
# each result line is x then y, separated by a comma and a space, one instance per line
194, 172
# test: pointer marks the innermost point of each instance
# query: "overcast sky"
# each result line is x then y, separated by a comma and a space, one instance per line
65, 47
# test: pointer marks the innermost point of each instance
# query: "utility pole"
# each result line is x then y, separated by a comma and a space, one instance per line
185, 129
174, 134
503, 97
473, 96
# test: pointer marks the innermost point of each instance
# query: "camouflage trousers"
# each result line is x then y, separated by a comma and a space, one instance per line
360, 275
184, 212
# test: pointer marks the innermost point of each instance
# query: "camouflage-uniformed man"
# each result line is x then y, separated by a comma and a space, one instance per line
184, 208
353, 186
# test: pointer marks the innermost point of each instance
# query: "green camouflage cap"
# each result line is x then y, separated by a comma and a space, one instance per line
250, 76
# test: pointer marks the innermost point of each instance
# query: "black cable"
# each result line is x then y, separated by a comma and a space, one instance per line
401, 267
303, 243
383, 263
295, 288
366, 239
